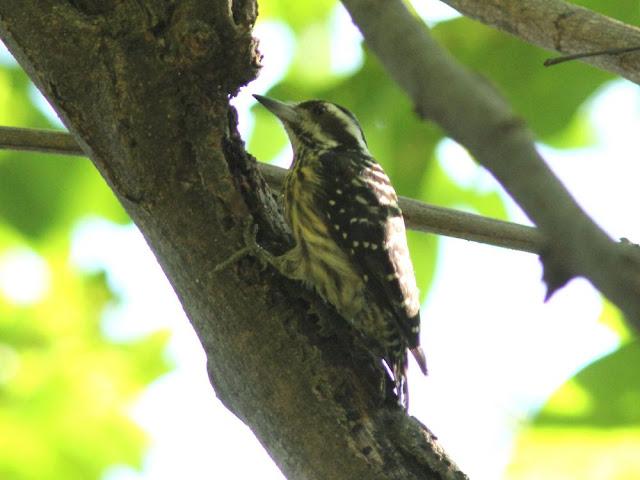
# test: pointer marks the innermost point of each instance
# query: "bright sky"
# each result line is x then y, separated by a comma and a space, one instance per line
495, 351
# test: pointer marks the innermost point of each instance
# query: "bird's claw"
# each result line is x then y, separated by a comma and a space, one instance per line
251, 247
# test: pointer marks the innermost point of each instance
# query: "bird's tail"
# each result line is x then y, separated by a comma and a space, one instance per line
400, 380
418, 354
399, 366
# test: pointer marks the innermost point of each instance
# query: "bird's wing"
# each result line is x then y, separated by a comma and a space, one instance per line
360, 199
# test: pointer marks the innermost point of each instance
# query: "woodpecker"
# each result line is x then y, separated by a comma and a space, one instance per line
350, 239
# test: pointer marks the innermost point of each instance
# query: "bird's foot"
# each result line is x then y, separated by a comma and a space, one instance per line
251, 248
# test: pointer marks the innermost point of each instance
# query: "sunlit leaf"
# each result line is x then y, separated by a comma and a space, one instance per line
65, 388
590, 427
547, 98
612, 317
39, 192
16, 105
584, 453
268, 137
297, 14
625, 10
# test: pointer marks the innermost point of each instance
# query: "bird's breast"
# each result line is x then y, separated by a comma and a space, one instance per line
326, 267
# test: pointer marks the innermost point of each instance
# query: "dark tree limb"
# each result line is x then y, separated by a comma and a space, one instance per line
563, 27
143, 87
473, 113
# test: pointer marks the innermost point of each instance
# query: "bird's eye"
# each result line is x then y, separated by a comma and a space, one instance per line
319, 109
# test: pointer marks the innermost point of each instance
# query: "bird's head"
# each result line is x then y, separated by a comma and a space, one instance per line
317, 124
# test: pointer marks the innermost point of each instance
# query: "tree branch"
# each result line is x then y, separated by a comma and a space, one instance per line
561, 26
471, 111
144, 89
418, 215
32, 140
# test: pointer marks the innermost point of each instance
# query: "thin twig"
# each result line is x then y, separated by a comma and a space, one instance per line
419, 215
47, 141
468, 226
565, 58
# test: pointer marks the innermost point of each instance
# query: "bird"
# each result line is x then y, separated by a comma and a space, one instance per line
349, 235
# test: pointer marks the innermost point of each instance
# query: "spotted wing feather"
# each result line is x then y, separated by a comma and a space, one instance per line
360, 198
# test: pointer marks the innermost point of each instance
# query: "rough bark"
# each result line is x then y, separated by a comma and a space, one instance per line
143, 86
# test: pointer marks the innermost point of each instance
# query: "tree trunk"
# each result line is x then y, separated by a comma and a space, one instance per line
144, 88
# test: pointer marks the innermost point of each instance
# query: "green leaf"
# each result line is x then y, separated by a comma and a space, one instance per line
590, 427
614, 320
268, 137
607, 401
624, 10
298, 15
547, 98
16, 104
41, 192
64, 387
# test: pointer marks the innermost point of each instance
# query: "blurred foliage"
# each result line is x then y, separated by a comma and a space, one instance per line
64, 386
615, 321
39, 193
590, 427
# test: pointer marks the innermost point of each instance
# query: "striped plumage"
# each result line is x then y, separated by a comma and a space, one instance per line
350, 240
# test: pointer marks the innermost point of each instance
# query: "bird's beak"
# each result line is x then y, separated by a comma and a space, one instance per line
285, 112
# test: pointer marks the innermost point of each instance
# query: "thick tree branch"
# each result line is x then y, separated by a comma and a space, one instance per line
561, 26
418, 215
143, 87
470, 110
